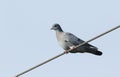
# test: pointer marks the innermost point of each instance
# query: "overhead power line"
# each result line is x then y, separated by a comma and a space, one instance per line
30, 69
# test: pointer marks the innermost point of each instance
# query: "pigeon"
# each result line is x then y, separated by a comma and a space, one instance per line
68, 41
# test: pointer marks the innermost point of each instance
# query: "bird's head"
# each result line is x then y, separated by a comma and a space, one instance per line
56, 27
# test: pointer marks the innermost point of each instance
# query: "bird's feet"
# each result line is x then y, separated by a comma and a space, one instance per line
65, 51
72, 47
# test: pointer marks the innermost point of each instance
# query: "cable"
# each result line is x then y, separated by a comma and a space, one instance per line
30, 69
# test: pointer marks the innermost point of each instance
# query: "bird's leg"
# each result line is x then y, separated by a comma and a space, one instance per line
72, 47
65, 51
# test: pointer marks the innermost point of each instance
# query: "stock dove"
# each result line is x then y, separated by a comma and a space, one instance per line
69, 41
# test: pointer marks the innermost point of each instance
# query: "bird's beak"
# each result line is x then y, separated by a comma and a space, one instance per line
52, 28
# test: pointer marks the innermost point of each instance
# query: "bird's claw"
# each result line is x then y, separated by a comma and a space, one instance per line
65, 51
72, 47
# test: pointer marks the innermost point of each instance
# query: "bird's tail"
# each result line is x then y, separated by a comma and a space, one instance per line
95, 52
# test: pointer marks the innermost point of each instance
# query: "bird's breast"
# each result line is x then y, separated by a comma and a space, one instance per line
63, 44
61, 41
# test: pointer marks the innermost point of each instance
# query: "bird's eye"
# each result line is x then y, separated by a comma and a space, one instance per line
55, 26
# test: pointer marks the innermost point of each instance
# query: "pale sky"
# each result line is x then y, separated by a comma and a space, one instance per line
26, 39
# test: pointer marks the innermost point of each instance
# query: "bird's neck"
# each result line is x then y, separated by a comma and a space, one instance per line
59, 35
59, 30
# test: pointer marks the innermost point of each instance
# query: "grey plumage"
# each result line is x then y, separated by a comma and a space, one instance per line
67, 40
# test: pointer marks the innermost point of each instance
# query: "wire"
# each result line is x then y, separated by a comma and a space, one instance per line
30, 69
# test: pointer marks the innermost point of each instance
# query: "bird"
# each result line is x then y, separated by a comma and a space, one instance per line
69, 41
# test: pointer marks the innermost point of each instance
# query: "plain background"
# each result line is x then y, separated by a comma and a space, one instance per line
26, 38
